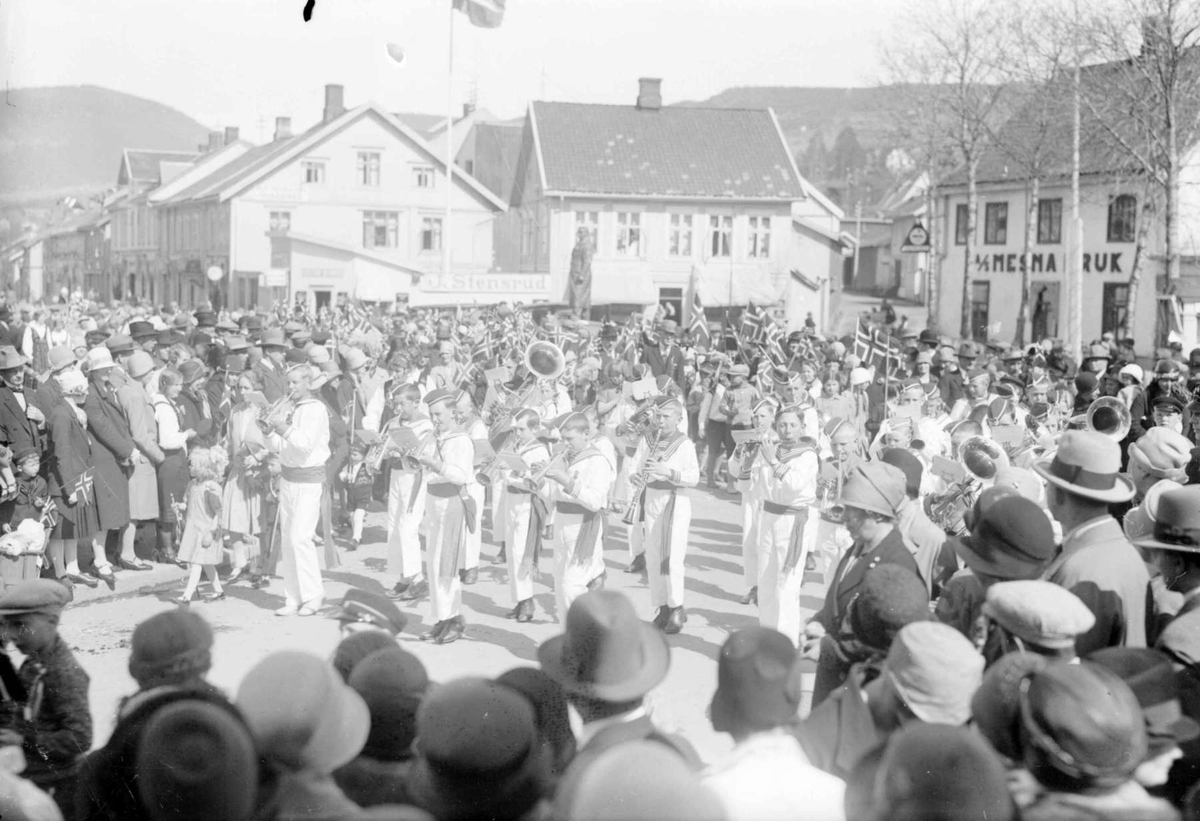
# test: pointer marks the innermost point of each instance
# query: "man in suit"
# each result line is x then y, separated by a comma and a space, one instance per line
871, 497
271, 367
666, 359
1174, 549
20, 421
607, 661
1096, 563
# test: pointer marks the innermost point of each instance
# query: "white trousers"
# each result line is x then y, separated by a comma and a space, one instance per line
514, 531
299, 511
404, 539
571, 578
445, 595
779, 592
666, 589
751, 517
474, 540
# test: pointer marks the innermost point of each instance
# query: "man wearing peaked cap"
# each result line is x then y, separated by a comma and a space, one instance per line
871, 497
1034, 616
1174, 550
1096, 563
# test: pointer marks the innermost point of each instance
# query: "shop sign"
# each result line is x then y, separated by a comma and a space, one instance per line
533, 284
1048, 263
325, 274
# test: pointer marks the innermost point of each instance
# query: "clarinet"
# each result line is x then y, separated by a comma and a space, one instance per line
633, 511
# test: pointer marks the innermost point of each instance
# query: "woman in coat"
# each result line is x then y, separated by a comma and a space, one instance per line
173, 438
241, 511
113, 453
134, 400
72, 478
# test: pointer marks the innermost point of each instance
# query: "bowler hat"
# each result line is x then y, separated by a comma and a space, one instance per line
928, 336
758, 681
1087, 464
10, 358
272, 338
195, 760
182, 322
607, 652
1082, 727
477, 754
1011, 539
1177, 522
549, 705
876, 487
1039, 612
206, 319
142, 330
1151, 675
253, 323
669, 327
609, 332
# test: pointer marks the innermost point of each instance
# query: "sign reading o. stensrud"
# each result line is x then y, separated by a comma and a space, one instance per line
535, 284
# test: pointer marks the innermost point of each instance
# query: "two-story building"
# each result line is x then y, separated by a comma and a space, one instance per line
673, 198
353, 207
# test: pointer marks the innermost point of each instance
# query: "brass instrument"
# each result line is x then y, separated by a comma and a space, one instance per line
641, 421
281, 411
637, 482
543, 360
378, 451
982, 458
488, 472
829, 492
1110, 416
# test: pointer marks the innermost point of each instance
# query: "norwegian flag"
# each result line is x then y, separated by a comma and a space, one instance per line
483, 348
699, 325
753, 320
83, 488
876, 348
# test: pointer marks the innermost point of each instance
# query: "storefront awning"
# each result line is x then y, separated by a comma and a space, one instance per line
722, 288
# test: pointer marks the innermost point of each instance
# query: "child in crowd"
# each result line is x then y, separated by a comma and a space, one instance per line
21, 518
360, 486
201, 547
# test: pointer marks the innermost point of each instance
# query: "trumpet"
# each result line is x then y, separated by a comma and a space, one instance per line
555, 457
280, 411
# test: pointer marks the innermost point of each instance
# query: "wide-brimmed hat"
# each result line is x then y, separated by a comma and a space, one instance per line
1087, 464
1151, 675
142, 330
607, 652
11, 358
876, 487
967, 350
140, 363
62, 357
758, 681
99, 359
119, 344
273, 338
477, 752
1012, 538
1176, 522
303, 715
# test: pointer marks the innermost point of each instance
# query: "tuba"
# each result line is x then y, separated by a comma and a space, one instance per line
982, 458
543, 360
1109, 416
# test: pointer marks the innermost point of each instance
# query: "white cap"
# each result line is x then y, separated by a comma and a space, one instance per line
859, 376
1133, 370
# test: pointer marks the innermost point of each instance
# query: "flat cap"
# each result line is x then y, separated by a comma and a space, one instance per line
1039, 612
35, 596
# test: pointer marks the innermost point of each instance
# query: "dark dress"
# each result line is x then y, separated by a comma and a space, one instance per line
113, 445
173, 475
72, 478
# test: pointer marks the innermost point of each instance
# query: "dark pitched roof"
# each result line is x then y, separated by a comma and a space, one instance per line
143, 165
214, 182
497, 150
673, 151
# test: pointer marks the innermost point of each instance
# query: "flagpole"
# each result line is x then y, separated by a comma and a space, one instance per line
446, 231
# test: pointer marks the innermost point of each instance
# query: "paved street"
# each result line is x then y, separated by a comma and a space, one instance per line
100, 624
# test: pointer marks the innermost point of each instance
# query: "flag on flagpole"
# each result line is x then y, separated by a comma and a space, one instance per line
699, 324
487, 14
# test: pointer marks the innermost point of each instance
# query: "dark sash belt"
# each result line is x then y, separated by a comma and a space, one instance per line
314, 475
659, 484
449, 490
418, 478
589, 533
539, 508
796, 540
452, 535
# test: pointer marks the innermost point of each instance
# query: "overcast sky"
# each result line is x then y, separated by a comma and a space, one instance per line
232, 62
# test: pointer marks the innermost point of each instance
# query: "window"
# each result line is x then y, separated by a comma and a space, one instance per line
629, 234
1122, 218
279, 253
760, 237
720, 235
423, 176
671, 302
1049, 222
680, 244
380, 229
431, 234
591, 221
995, 223
1115, 307
981, 293
314, 172
368, 168
281, 221
960, 224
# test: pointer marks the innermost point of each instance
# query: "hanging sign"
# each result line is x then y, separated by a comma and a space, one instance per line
917, 240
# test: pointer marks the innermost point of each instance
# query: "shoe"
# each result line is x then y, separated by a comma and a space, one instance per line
501, 557
354, 543
310, 608
453, 631
108, 577
469, 576
259, 582
810, 562
236, 575
288, 610
516, 611
86, 579
675, 620
398, 589
214, 597
660, 618
136, 564
598, 582
66, 582
751, 597
415, 592
525, 610
638, 565
433, 632
181, 601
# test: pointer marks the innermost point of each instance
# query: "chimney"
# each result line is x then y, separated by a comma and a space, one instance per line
468, 109
231, 134
649, 93
1154, 33
283, 128
215, 140
333, 103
